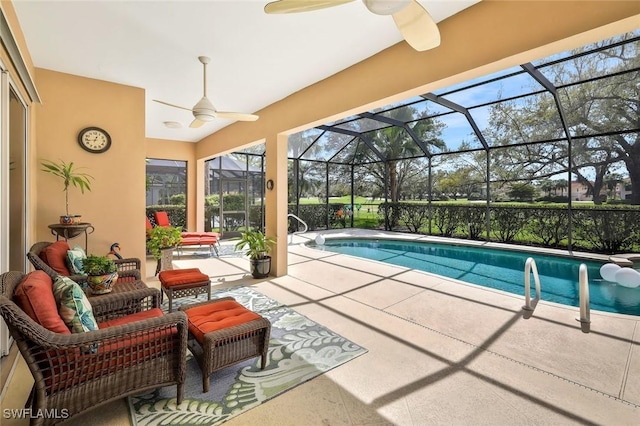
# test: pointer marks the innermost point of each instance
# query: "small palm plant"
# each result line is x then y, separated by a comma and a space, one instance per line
69, 176
258, 245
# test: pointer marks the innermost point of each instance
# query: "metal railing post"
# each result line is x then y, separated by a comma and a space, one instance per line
529, 266
585, 309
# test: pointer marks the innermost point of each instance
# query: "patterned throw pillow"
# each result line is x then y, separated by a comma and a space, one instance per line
75, 256
73, 305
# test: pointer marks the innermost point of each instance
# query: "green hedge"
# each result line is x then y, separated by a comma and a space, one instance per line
603, 229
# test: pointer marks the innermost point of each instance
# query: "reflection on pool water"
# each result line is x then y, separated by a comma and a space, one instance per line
495, 268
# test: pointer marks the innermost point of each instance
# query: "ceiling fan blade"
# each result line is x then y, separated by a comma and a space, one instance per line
294, 6
171, 105
417, 27
196, 123
236, 116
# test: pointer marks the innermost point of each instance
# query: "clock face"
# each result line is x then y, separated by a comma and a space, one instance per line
94, 139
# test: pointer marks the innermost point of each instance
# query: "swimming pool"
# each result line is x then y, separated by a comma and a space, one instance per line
498, 269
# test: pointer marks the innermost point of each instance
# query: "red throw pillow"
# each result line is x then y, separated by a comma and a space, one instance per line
34, 295
55, 255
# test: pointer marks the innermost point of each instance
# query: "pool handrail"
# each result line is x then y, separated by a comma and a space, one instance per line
585, 309
303, 224
530, 266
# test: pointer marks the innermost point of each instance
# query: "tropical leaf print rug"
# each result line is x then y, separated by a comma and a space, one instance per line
299, 350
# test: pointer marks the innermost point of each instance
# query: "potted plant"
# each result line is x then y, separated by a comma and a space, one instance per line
257, 246
160, 243
69, 176
102, 273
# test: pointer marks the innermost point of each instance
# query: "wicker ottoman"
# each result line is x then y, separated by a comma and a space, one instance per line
184, 282
222, 332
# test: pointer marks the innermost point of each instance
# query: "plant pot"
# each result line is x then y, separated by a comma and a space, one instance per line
102, 284
260, 268
165, 262
70, 220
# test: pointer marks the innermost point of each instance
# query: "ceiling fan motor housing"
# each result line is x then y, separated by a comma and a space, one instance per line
204, 110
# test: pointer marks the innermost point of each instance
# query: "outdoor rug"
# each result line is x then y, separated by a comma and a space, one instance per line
299, 350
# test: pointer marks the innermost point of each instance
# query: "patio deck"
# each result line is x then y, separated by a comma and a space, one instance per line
440, 352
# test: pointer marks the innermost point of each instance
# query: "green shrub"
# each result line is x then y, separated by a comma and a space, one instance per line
98, 265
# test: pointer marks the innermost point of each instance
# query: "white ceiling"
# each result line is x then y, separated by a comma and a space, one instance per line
257, 59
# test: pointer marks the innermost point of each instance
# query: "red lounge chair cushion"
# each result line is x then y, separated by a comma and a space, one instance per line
162, 218
55, 255
217, 316
182, 277
34, 295
194, 239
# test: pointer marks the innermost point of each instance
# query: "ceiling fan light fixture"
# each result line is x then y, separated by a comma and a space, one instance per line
203, 115
385, 7
172, 124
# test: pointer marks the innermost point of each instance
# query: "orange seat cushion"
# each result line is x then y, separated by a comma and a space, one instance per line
182, 277
138, 316
34, 295
217, 316
55, 255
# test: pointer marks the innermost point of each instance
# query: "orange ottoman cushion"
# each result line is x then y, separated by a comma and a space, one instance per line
182, 277
217, 316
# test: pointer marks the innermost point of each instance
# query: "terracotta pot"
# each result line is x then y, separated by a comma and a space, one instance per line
70, 220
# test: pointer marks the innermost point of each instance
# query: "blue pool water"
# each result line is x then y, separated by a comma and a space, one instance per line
499, 269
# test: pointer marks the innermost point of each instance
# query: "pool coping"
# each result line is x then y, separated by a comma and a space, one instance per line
400, 236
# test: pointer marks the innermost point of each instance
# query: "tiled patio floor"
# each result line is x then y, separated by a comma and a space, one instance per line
440, 352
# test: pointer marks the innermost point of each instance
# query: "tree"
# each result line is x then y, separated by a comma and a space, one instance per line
462, 181
399, 149
602, 116
611, 181
522, 192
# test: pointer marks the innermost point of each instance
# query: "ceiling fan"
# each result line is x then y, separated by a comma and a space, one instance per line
204, 110
414, 22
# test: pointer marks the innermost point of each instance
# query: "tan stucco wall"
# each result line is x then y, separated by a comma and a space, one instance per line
116, 204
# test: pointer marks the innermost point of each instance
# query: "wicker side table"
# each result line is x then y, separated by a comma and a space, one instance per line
119, 301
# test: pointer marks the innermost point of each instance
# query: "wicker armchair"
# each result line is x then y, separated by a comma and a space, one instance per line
79, 371
128, 269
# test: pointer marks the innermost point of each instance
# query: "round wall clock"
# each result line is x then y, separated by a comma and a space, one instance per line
94, 139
